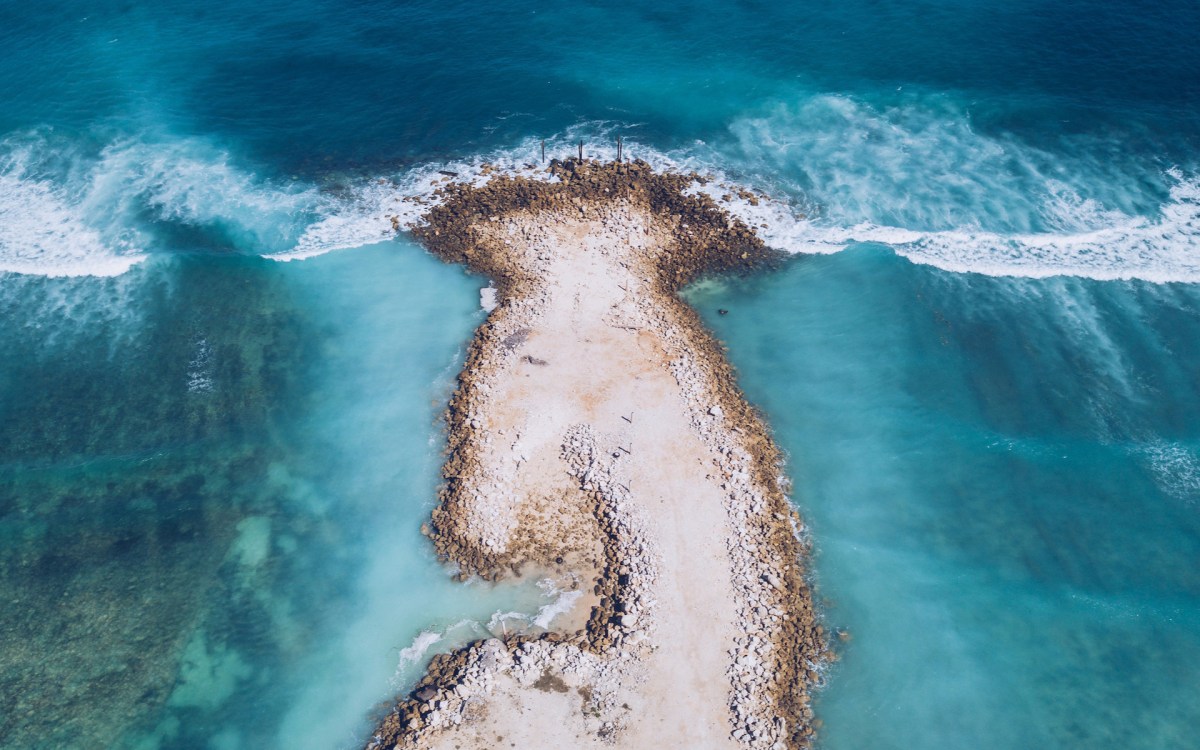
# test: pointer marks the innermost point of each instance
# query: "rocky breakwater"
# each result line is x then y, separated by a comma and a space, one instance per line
597, 433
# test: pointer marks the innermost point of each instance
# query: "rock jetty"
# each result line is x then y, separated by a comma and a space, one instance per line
597, 435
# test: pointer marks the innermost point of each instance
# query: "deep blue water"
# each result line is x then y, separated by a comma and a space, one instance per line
981, 360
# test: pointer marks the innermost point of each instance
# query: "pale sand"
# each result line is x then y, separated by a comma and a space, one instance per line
595, 436
597, 374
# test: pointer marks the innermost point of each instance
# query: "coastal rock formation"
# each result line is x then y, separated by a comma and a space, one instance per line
597, 435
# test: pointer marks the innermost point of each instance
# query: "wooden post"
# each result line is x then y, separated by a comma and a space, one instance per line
543, 151
581, 151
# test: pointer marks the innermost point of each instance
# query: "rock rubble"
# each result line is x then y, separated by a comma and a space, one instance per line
779, 653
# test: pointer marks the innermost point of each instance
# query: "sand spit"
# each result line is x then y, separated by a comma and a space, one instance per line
598, 434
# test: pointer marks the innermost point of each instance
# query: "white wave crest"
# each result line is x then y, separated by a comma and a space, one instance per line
563, 601
188, 182
498, 623
378, 208
920, 179
961, 202
916, 178
420, 646
42, 231
1162, 249
67, 212
375, 211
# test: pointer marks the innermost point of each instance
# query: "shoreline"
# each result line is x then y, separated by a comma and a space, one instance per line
593, 522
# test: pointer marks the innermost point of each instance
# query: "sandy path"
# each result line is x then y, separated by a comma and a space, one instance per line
601, 374
589, 443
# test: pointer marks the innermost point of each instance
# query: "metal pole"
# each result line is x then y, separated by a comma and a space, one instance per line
581, 151
543, 151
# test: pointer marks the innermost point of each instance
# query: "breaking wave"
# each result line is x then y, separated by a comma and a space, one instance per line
43, 231
920, 179
65, 211
818, 177
925, 185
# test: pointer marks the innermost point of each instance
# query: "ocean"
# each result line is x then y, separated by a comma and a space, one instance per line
221, 376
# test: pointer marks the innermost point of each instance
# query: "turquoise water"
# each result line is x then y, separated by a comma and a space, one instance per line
211, 532
214, 465
1005, 502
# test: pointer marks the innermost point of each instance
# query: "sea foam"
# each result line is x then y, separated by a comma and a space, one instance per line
921, 179
69, 211
42, 232
1020, 220
421, 644
1175, 467
916, 178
